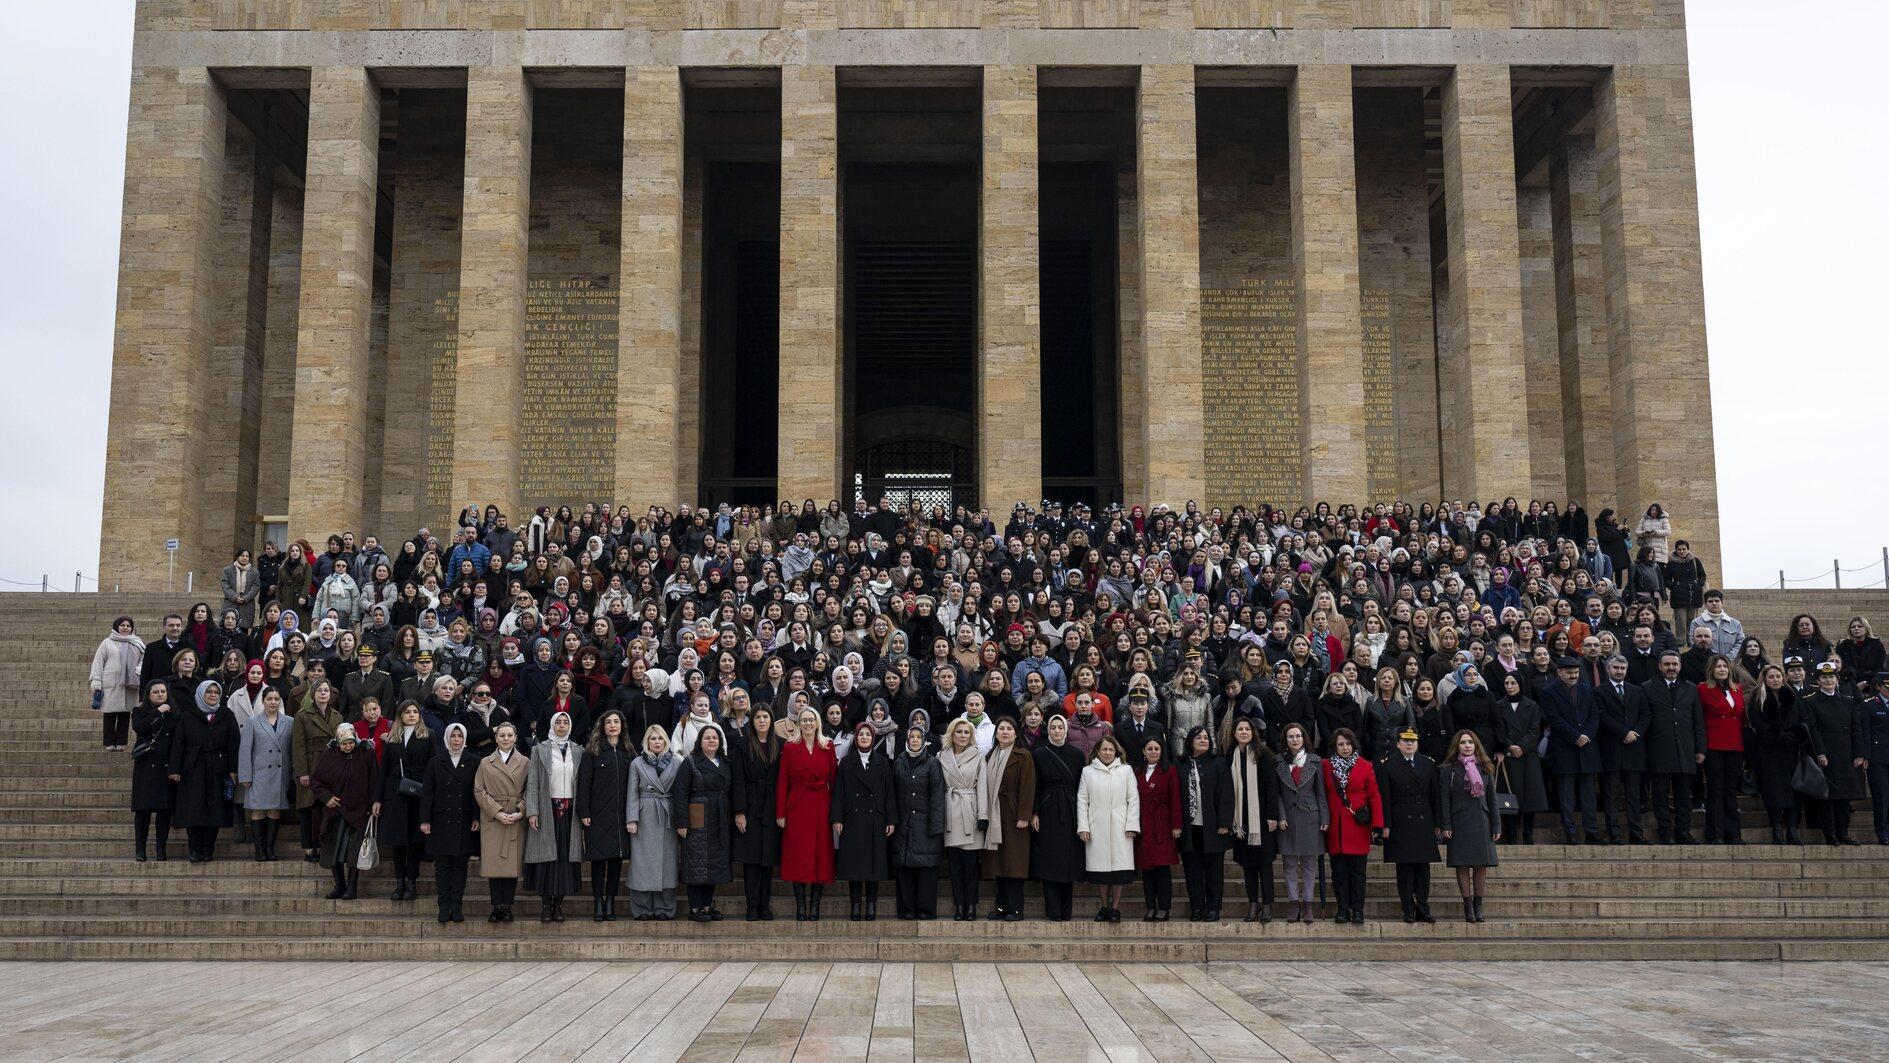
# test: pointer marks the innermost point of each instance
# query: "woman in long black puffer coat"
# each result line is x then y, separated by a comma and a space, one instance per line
864, 813
701, 807
918, 842
404, 754
153, 794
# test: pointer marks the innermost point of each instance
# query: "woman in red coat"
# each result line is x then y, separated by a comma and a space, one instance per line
803, 798
1156, 848
1356, 811
1723, 702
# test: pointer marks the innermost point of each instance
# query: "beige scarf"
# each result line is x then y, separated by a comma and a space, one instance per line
994, 770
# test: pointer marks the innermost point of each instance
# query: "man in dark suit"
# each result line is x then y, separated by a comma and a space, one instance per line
1675, 747
1622, 751
1642, 658
1135, 725
161, 654
1573, 718
1413, 806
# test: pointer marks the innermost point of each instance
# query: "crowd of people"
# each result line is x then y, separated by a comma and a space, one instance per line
876, 694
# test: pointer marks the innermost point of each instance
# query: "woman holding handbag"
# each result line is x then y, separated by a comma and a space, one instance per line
1356, 812
404, 754
1470, 824
345, 783
703, 819
1521, 791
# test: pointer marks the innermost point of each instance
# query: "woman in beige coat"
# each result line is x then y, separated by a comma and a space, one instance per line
499, 787
967, 813
1011, 775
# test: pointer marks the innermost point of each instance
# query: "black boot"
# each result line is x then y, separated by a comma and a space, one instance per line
341, 883
813, 902
856, 916
872, 901
1479, 909
260, 856
270, 828
545, 907
1469, 909
354, 880
800, 902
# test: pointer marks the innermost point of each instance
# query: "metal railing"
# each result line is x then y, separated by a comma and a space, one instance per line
1835, 575
80, 582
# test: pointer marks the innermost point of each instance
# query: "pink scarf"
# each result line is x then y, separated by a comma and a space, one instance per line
1472, 776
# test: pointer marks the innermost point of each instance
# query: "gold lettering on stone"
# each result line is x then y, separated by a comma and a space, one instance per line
567, 429
1380, 421
1249, 344
442, 357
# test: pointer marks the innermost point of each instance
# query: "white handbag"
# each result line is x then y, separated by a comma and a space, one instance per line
369, 857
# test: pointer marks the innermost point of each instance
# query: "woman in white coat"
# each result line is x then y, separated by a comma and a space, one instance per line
116, 665
1108, 816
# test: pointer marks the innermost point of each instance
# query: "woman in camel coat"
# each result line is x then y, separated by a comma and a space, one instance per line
499, 787
1012, 775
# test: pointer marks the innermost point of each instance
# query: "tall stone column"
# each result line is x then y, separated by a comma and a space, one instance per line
1010, 356
649, 365
234, 432
1485, 431
494, 238
1541, 341
811, 451
1325, 261
327, 463
1169, 182
1581, 311
161, 346
1662, 394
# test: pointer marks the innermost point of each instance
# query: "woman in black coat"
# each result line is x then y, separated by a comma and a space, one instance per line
864, 813
1472, 705
203, 765
701, 807
601, 806
153, 794
1776, 747
756, 757
1336, 711
1254, 777
1613, 542
918, 841
404, 754
449, 818
1286, 703
1518, 724
1056, 852
1204, 843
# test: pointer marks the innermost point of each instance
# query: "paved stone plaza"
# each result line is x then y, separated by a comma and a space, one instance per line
777, 1011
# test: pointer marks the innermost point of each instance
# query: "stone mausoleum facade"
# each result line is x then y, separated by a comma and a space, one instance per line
385, 258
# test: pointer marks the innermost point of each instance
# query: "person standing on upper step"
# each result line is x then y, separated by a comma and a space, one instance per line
499, 786
1055, 850
1470, 824
153, 794
1834, 723
1206, 798
449, 819
1011, 772
315, 727
1722, 702
1108, 819
1518, 732
1157, 847
1407, 784
404, 754
864, 814
1675, 747
1303, 817
262, 767
802, 806
654, 864
1356, 811
602, 810
346, 784
918, 843
1876, 746
1573, 720
554, 847
116, 666
703, 821
203, 765
1623, 723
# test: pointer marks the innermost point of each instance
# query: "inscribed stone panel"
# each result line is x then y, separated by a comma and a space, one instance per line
911, 14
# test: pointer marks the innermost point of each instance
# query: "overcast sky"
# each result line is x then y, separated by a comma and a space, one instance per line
1791, 164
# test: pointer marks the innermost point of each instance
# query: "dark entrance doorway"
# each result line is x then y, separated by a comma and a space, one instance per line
909, 202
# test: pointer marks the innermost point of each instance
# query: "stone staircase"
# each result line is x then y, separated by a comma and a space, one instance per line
69, 889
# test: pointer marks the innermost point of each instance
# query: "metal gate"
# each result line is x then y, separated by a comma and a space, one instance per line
929, 472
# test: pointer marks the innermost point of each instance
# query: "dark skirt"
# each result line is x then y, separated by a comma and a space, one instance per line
1110, 878
341, 845
555, 878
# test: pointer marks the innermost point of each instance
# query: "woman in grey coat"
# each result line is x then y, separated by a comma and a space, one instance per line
241, 585
1305, 817
262, 767
1470, 824
653, 847
704, 818
554, 847
918, 844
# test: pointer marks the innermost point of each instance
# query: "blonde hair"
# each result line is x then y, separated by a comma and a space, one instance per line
653, 731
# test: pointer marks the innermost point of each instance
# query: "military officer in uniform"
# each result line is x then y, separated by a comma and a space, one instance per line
1413, 806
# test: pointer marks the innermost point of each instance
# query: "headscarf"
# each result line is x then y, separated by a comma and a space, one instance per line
345, 733
454, 757
255, 689
560, 746
208, 710
1461, 675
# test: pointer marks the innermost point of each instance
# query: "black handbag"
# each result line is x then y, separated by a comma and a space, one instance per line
1362, 815
143, 749
1810, 780
1506, 803
408, 787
